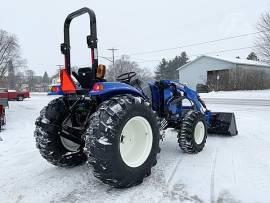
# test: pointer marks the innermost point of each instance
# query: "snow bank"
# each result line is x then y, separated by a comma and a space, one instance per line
244, 94
38, 93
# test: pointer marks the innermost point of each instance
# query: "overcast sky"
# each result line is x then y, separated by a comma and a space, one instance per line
131, 27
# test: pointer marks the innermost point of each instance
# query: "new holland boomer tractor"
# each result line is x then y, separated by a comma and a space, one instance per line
116, 126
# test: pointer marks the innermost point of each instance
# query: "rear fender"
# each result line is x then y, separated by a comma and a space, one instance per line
110, 89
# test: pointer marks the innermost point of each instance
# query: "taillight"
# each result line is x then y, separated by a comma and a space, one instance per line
98, 87
54, 89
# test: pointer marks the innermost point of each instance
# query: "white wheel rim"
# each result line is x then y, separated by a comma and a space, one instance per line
136, 141
199, 132
69, 145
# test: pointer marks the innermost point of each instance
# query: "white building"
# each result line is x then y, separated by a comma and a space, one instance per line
197, 71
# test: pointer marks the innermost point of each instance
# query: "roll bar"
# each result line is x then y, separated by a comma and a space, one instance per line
91, 39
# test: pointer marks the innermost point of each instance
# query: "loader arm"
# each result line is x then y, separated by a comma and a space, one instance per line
183, 90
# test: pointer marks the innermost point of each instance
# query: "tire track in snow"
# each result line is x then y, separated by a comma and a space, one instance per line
261, 139
212, 183
233, 167
174, 170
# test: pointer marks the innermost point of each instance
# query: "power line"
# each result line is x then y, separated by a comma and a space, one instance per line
146, 60
198, 44
228, 50
213, 52
106, 58
184, 46
153, 60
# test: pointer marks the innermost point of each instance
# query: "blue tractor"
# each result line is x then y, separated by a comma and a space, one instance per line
116, 127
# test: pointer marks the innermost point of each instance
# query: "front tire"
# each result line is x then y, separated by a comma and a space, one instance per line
54, 148
122, 141
193, 133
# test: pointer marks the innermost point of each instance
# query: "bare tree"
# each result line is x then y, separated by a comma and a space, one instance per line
9, 51
30, 78
124, 65
263, 40
20, 79
11, 76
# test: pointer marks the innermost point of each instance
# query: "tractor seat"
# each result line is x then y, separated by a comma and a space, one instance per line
84, 77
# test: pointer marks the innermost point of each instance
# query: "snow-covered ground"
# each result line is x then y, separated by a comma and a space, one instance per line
229, 169
244, 94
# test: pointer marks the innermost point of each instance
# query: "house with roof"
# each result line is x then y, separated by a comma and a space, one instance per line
225, 74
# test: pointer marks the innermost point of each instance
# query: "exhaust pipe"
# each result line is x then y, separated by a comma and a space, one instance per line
223, 123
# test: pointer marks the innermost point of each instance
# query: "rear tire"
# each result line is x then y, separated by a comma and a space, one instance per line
122, 141
193, 132
54, 148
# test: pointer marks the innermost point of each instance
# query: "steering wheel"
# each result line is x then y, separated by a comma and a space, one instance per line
126, 77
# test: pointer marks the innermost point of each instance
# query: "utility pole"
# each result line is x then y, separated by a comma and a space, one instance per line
113, 50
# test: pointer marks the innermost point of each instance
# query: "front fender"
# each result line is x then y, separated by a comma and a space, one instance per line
110, 89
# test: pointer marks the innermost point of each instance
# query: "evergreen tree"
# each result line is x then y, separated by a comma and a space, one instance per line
160, 72
168, 69
176, 63
252, 56
45, 78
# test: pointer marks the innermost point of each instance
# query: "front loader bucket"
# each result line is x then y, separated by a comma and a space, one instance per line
223, 123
